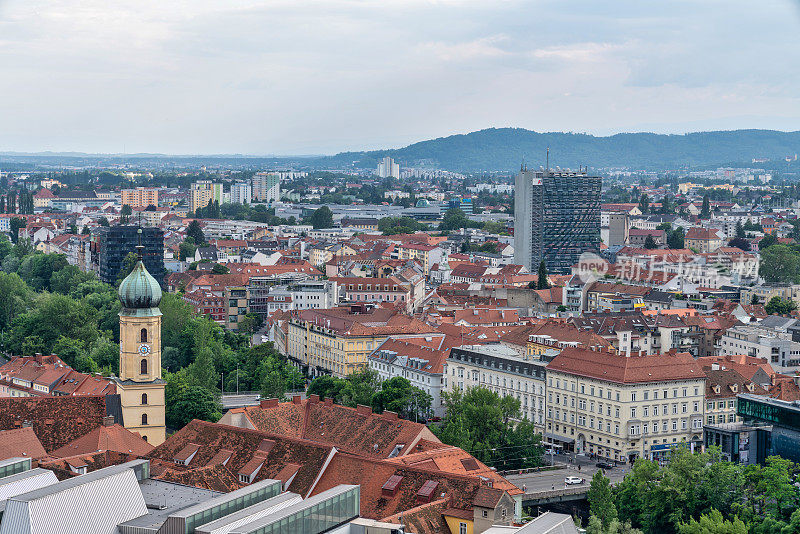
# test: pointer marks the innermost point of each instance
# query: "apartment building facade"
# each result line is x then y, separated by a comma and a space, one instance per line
624, 407
502, 370
140, 197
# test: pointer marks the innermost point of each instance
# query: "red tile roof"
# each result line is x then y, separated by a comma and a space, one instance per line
106, 438
55, 420
20, 442
627, 370
348, 429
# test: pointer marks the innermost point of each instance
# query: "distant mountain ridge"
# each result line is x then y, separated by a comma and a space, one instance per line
491, 149
503, 149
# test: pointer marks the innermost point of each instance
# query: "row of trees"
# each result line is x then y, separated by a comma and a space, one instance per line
364, 387
49, 306
698, 493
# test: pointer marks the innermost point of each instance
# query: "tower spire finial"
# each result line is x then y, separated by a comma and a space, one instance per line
139, 246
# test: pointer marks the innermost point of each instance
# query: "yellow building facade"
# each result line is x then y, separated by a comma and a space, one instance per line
140, 385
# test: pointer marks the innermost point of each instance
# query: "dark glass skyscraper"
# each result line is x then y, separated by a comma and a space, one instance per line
110, 246
556, 218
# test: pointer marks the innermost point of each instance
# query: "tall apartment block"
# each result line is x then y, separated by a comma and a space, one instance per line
388, 168
202, 192
267, 187
557, 218
141, 197
111, 244
241, 193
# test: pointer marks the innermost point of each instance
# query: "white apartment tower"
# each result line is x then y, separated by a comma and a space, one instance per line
241, 193
266, 187
388, 168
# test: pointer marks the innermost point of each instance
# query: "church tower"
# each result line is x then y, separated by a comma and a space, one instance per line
140, 385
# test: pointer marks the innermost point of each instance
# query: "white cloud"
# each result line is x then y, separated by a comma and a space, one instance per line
300, 76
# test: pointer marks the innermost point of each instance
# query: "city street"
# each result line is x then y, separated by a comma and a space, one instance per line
547, 480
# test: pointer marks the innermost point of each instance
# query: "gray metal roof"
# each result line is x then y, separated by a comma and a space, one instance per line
165, 499
75, 482
225, 497
251, 513
289, 510
24, 482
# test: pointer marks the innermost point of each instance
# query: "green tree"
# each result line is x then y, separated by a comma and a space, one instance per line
15, 224
650, 243
455, 219
70, 350
601, 499
125, 214
779, 264
740, 243
185, 402
740, 233
327, 387
50, 317
359, 387
187, 249
541, 280
767, 241
644, 203
675, 238
779, 306
202, 372
705, 212
481, 422
399, 396
218, 268
713, 523
15, 298
196, 233
322, 218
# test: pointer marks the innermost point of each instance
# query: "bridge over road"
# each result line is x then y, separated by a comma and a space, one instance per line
547, 487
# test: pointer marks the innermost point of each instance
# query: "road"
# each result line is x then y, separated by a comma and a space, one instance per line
547, 480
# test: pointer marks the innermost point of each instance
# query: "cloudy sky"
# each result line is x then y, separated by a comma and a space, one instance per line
303, 77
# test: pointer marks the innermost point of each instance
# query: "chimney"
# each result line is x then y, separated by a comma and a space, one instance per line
329, 401
297, 399
389, 415
108, 420
313, 399
268, 403
363, 410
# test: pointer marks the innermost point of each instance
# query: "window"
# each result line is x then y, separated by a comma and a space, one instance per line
462, 528
633, 413
143, 367
485, 513
143, 335
144, 398
144, 418
633, 396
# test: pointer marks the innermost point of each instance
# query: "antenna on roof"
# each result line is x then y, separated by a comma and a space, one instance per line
547, 160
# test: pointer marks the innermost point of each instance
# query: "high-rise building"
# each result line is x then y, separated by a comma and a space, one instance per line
140, 386
388, 168
241, 193
202, 192
111, 244
141, 197
557, 218
266, 187
618, 228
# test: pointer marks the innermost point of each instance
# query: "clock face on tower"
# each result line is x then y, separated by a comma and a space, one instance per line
144, 349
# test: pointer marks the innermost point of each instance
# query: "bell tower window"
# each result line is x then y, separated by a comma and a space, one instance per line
143, 335
144, 398
144, 418
143, 369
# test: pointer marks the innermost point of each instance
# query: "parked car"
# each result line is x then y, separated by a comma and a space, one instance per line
604, 465
569, 481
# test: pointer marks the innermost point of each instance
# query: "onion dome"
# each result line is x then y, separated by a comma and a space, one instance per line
139, 290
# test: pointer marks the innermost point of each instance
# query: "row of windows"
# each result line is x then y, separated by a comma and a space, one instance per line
598, 391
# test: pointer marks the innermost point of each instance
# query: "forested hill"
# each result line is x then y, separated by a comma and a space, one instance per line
503, 149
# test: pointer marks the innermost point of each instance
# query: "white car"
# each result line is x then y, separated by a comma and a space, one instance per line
573, 480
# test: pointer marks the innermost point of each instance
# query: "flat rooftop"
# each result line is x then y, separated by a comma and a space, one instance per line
163, 499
